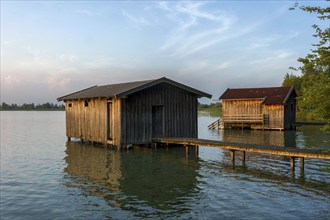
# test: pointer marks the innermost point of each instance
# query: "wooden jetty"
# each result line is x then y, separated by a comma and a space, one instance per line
301, 123
292, 153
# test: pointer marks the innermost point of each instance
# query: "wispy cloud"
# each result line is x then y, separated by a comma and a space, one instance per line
194, 29
263, 42
272, 57
84, 12
137, 21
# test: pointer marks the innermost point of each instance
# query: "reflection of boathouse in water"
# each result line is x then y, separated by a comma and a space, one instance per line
125, 182
259, 108
132, 113
260, 137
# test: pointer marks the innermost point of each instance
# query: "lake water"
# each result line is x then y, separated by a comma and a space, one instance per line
44, 177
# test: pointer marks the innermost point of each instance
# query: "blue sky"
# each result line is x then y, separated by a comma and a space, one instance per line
51, 48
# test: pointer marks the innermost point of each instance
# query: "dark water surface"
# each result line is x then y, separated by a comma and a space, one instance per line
44, 177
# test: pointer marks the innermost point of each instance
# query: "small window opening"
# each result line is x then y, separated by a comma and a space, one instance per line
70, 105
86, 103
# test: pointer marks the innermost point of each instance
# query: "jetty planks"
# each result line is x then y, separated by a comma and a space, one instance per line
275, 150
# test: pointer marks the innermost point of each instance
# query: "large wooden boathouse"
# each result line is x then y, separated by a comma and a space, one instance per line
259, 108
133, 112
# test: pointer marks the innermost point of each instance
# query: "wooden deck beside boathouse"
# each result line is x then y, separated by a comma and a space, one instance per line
292, 153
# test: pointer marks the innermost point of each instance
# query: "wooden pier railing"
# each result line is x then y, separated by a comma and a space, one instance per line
215, 125
260, 121
255, 118
292, 153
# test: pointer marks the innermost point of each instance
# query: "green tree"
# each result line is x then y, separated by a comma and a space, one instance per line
293, 80
313, 86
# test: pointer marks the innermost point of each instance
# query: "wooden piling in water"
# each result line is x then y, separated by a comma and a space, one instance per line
197, 150
292, 164
243, 158
233, 157
302, 166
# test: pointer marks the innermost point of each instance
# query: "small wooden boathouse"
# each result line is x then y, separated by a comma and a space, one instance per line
133, 112
259, 108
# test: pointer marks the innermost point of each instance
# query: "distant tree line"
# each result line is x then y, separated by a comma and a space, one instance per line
215, 109
31, 107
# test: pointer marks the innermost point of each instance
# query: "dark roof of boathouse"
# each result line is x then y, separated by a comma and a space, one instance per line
270, 95
124, 89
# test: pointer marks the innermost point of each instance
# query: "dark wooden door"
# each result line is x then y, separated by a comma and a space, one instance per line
157, 121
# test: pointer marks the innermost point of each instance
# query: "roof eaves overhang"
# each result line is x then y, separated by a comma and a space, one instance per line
243, 99
292, 89
62, 98
223, 94
163, 80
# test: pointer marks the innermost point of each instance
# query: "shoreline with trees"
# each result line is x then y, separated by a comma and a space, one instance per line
31, 107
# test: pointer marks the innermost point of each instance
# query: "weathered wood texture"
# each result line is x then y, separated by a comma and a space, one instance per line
275, 116
237, 112
275, 150
129, 120
290, 112
242, 107
179, 114
87, 122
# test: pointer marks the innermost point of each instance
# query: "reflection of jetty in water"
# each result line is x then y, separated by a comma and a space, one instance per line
274, 138
158, 178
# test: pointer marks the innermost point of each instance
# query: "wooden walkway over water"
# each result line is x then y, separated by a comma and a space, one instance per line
292, 153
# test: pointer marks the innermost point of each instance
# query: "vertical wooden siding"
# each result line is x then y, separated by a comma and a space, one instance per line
290, 112
241, 107
180, 114
88, 123
131, 117
275, 114
116, 122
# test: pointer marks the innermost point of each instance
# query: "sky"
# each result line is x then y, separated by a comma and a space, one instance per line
52, 48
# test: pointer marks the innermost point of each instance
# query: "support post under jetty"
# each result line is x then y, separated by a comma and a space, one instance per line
292, 153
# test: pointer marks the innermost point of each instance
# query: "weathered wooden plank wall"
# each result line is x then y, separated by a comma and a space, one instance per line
274, 113
179, 109
290, 112
116, 122
241, 107
131, 117
275, 116
87, 122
